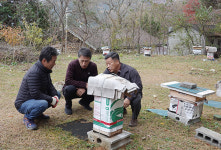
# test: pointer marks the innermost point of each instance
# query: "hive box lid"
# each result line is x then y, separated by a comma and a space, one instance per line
211, 49
110, 86
198, 92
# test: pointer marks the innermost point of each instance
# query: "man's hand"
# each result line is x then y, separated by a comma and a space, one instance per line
55, 101
80, 92
126, 102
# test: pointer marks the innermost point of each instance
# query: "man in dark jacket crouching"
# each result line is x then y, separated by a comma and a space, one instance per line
114, 66
37, 93
78, 72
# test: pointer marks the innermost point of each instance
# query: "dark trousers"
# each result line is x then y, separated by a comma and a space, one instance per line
136, 106
69, 93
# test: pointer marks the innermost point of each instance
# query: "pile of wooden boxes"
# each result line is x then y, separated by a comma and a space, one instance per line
186, 101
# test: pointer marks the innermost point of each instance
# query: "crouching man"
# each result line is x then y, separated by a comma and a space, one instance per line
37, 93
78, 72
114, 66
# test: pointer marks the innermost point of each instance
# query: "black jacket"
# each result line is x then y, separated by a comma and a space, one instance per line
131, 74
36, 84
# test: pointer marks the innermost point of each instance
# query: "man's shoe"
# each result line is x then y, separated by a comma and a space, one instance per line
133, 123
29, 123
45, 117
85, 106
68, 111
88, 107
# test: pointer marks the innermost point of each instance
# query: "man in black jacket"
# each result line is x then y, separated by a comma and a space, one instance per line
37, 93
114, 66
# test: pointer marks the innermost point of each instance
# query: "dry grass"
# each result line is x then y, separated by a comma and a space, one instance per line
153, 132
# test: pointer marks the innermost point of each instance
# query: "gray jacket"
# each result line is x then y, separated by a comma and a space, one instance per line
131, 75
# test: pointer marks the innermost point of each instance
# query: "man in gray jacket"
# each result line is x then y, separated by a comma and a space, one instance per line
114, 66
37, 93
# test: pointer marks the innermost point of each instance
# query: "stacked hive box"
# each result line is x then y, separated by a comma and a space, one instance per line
185, 107
186, 103
108, 116
210, 52
105, 50
197, 50
147, 51
108, 91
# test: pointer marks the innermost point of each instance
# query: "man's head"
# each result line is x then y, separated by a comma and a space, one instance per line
84, 57
48, 57
113, 62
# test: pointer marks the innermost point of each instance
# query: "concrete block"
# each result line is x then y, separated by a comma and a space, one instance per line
188, 85
109, 143
209, 136
181, 119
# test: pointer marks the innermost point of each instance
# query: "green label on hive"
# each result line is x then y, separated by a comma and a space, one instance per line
116, 114
107, 101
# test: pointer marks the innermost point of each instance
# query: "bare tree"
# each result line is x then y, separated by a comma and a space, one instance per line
203, 19
116, 12
162, 16
59, 7
133, 24
84, 20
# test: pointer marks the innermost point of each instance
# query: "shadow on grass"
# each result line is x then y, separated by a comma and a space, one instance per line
78, 128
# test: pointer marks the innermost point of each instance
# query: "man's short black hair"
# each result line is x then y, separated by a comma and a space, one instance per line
113, 55
47, 53
84, 52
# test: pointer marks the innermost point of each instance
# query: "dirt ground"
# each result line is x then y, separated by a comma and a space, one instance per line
153, 131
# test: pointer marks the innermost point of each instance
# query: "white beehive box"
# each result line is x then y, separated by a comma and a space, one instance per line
108, 115
210, 55
210, 52
108, 91
105, 50
147, 51
186, 109
197, 50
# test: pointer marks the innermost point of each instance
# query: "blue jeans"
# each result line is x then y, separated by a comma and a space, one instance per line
33, 108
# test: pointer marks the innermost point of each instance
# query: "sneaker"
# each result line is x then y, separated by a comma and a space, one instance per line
85, 106
133, 123
68, 111
45, 117
29, 123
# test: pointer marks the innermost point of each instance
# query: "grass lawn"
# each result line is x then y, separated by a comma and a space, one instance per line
153, 131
